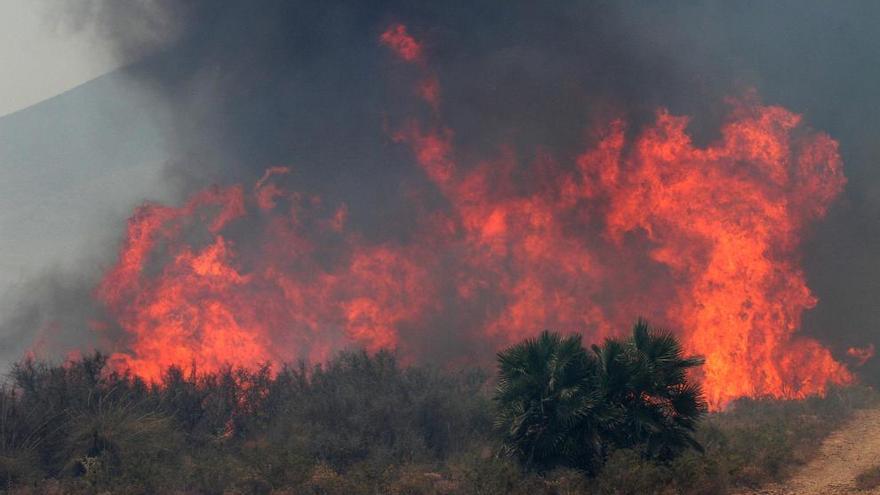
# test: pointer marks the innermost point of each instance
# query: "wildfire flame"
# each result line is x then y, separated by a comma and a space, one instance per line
861, 354
703, 238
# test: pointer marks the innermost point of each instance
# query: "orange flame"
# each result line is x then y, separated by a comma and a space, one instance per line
703, 238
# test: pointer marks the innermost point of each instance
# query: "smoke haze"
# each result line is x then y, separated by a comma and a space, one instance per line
306, 85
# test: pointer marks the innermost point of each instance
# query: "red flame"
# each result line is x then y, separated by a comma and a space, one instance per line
398, 39
703, 238
404, 46
861, 354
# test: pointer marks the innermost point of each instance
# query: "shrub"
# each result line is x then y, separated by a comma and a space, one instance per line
561, 406
756, 441
644, 382
868, 479
80, 428
627, 472
549, 403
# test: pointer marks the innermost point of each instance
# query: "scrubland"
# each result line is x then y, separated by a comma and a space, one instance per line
359, 424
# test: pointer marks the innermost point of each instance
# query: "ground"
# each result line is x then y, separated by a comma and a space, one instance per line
843, 456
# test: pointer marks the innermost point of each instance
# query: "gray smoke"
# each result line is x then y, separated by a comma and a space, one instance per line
304, 83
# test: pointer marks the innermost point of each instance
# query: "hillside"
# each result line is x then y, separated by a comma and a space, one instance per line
73, 166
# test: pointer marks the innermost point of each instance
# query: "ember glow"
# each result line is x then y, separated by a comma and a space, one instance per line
703, 239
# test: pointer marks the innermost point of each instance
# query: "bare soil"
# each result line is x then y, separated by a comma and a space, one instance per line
843, 455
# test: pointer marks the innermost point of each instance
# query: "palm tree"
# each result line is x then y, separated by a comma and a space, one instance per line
550, 403
558, 405
644, 379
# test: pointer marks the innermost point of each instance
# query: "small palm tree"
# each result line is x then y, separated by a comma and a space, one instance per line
559, 405
645, 384
550, 403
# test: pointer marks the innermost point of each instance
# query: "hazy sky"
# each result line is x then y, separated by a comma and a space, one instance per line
41, 59
79, 148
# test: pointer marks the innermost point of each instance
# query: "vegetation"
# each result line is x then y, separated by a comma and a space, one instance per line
644, 381
550, 404
362, 424
559, 405
868, 479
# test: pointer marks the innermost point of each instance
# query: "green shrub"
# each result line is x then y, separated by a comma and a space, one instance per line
698, 474
756, 441
627, 472
478, 475
359, 424
560, 406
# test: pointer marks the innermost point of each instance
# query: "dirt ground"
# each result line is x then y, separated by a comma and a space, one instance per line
843, 455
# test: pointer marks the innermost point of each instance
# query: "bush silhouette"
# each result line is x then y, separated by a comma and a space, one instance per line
560, 405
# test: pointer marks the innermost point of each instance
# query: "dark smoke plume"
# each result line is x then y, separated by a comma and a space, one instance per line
299, 83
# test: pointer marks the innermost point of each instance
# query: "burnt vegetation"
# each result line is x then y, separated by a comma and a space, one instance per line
557, 418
